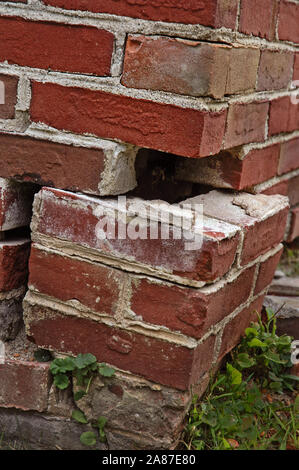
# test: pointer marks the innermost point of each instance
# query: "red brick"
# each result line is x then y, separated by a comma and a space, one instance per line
289, 156
279, 188
8, 91
294, 228
258, 166
175, 65
288, 187
189, 311
258, 18
189, 67
293, 190
206, 12
155, 359
81, 48
66, 278
246, 123
275, 70
263, 236
226, 170
24, 385
296, 68
288, 21
284, 116
262, 218
169, 128
203, 359
15, 204
266, 272
11, 315
235, 329
13, 264
242, 70
169, 256
51, 164
227, 13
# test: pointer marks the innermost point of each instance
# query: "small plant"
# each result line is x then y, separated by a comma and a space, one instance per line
84, 369
242, 408
267, 355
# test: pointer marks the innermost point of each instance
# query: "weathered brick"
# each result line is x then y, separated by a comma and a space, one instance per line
15, 204
289, 156
97, 171
66, 278
278, 188
262, 218
24, 385
266, 272
168, 257
130, 404
176, 65
214, 13
235, 329
189, 67
186, 310
286, 187
227, 170
246, 123
258, 18
8, 96
296, 67
81, 48
288, 21
242, 69
170, 128
14, 256
11, 315
275, 70
293, 193
294, 227
168, 363
283, 116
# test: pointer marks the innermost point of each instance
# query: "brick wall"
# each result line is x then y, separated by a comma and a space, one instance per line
188, 102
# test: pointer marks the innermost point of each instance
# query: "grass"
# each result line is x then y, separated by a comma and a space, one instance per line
253, 403
289, 262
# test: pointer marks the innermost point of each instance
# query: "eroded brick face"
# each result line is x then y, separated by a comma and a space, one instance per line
13, 264
24, 385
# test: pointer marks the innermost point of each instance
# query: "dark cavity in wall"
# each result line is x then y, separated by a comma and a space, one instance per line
155, 173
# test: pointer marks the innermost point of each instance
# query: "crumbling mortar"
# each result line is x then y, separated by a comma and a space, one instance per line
23, 94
